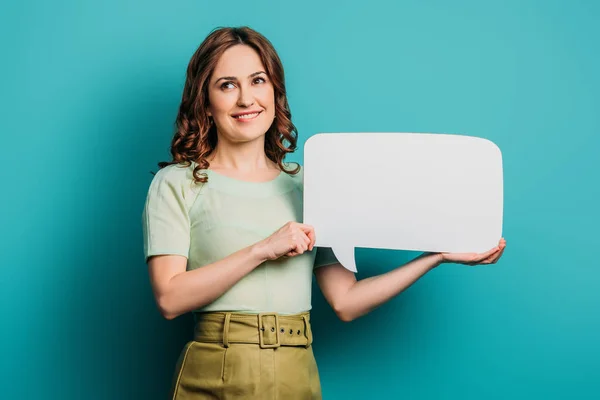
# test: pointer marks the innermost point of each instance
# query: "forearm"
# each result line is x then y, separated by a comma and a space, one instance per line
196, 288
369, 293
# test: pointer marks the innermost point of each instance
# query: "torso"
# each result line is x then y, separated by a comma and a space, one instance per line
232, 212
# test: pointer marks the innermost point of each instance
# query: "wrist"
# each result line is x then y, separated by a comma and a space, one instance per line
441, 259
259, 253
438, 258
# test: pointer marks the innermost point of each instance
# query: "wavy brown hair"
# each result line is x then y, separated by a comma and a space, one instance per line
195, 136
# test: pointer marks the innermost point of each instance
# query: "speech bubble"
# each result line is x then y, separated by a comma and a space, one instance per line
406, 191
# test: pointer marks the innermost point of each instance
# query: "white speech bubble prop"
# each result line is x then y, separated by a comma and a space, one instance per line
409, 191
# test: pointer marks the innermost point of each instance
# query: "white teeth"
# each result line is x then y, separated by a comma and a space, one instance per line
246, 116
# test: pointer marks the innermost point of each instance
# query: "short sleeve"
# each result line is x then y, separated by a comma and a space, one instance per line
165, 218
324, 257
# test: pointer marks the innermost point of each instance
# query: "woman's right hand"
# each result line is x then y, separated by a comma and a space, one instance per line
290, 240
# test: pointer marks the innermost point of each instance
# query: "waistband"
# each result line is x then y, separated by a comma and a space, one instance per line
268, 330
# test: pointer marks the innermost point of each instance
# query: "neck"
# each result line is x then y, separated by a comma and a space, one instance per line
246, 157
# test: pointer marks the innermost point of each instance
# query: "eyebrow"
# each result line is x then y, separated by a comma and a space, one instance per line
234, 78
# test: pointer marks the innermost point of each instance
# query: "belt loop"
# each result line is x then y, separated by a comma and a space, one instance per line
226, 330
307, 331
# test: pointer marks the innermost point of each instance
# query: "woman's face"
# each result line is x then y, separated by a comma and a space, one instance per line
241, 96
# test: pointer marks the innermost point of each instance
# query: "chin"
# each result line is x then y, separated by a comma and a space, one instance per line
248, 136
250, 133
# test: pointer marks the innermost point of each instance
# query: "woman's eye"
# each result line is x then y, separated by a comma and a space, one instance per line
226, 85
259, 80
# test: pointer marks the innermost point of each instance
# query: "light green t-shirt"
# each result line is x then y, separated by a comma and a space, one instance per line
207, 222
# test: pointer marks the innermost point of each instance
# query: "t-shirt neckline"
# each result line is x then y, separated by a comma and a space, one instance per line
221, 176
223, 183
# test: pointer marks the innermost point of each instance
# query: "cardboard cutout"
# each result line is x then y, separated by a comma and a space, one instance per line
409, 191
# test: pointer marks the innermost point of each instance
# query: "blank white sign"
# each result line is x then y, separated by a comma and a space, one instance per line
408, 191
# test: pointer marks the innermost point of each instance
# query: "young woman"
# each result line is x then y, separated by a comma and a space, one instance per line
223, 236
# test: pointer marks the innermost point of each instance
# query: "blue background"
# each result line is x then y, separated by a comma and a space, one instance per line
89, 95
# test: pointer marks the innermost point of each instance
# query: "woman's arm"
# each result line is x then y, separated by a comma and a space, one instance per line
178, 291
351, 299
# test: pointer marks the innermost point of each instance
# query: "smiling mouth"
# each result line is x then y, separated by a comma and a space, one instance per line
247, 116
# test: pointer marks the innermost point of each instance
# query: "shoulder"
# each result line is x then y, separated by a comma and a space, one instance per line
174, 173
174, 180
297, 178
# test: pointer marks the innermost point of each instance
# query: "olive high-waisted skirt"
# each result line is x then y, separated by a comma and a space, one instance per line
248, 356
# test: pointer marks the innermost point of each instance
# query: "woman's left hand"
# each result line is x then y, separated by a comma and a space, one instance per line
489, 257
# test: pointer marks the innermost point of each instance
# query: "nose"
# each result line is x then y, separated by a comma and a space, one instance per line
245, 99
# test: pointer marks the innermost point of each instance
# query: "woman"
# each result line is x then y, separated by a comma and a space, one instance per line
223, 236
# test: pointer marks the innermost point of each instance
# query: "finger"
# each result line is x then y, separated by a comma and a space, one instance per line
497, 257
289, 254
306, 228
307, 242
301, 248
494, 257
309, 231
488, 260
299, 243
293, 246
311, 236
487, 254
502, 246
480, 259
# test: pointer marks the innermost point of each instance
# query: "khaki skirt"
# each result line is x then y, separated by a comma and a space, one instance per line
248, 356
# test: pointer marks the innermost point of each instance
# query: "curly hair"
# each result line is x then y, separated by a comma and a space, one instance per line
195, 137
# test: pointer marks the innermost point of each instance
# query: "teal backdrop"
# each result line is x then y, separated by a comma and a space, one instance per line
89, 93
